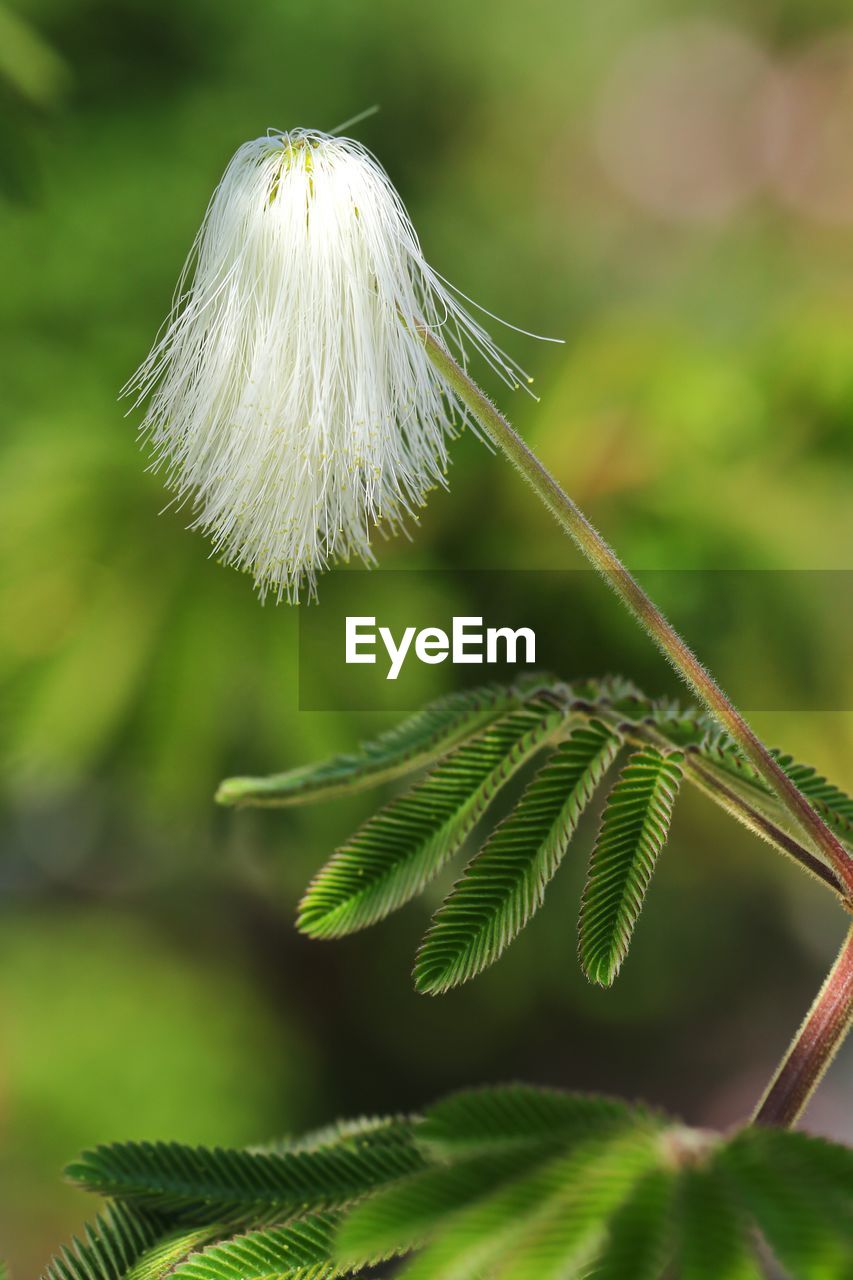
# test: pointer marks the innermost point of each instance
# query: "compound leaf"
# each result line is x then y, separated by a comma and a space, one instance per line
569, 1227
302, 1248
110, 1246
714, 1238
482, 1121
511, 1162
799, 1189
505, 882
633, 831
390, 859
552, 1214
639, 1234
476, 1238
408, 1214
417, 742
199, 1185
360, 1131
160, 1262
833, 805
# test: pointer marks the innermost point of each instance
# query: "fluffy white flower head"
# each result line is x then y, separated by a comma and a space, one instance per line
292, 402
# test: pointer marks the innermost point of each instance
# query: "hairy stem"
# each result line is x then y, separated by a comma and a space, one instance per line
814, 1046
703, 777
608, 564
760, 825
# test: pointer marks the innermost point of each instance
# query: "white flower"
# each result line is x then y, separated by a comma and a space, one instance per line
293, 404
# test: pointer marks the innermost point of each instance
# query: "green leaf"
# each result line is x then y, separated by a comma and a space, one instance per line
390, 859
161, 1261
514, 1163
824, 795
301, 1249
714, 1233
501, 1183
480, 1121
110, 1246
505, 883
551, 1215
800, 1191
361, 1130
694, 728
833, 805
198, 1185
639, 1235
479, 1235
569, 1228
633, 832
406, 1215
417, 742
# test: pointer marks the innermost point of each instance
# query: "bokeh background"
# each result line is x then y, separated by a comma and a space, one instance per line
670, 188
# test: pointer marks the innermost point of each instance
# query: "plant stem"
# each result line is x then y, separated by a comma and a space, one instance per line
814, 1046
760, 825
703, 777
608, 564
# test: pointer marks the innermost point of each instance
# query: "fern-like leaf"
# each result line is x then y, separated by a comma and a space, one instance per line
714, 1236
568, 1229
417, 742
479, 1236
390, 859
110, 1246
824, 795
639, 1235
361, 1131
198, 1185
633, 832
475, 742
408, 1214
522, 1191
505, 883
511, 1117
551, 1213
485, 1139
799, 1190
160, 1262
513, 1183
301, 1249
833, 804
694, 729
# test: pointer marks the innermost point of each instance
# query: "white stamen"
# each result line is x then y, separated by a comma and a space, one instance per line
292, 402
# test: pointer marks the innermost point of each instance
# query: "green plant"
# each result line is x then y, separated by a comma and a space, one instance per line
511, 1182
505, 1182
476, 742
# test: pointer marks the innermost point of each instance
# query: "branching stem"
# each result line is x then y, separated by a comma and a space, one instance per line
703, 777
674, 648
760, 825
814, 1046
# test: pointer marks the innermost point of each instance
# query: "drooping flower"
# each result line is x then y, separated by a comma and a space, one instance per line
292, 402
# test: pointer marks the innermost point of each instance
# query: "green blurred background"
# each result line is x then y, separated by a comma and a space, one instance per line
667, 186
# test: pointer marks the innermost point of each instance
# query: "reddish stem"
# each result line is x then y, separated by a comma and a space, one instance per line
814, 1046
